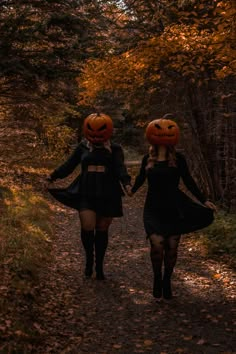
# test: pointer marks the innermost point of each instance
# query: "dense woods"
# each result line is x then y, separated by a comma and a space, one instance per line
42, 47
135, 60
177, 57
63, 59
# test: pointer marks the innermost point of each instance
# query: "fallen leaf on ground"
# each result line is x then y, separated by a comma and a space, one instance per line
117, 346
201, 341
148, 342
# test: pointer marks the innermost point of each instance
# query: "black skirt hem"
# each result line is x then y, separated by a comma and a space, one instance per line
183, 217
106, 207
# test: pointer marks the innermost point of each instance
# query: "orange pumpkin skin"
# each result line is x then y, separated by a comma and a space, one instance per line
162, 132
98, 128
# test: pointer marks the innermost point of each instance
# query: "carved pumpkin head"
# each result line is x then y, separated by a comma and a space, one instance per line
162, 132
98, 128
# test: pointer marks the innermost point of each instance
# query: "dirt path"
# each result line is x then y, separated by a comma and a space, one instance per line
119, 315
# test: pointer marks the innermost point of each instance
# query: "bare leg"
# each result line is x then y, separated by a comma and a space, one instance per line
87, 219
156, 254
88, 222
101, 243
170, 258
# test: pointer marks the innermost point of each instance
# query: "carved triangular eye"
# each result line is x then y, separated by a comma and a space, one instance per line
157, 126
89, 127
171, 126
102, 127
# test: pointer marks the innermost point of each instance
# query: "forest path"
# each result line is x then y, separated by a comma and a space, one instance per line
119, 315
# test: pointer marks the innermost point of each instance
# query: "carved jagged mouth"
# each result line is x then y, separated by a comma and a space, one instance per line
162, 135
96, 137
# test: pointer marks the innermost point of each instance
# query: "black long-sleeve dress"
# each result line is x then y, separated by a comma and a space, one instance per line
168, 210
99, 191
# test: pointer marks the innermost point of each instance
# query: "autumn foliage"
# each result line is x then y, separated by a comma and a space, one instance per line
196, 48
178, 58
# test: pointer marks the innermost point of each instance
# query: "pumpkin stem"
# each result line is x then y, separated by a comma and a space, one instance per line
168, 116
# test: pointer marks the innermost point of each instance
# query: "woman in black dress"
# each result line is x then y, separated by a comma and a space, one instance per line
168, 212
96, 193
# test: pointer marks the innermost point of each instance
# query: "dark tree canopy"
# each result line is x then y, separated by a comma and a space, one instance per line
43, 44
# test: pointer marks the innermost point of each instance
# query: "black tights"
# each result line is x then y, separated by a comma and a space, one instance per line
164, 249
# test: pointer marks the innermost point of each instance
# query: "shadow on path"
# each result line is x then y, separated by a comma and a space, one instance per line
119, 315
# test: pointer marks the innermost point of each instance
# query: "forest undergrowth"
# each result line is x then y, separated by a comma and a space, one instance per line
28, 240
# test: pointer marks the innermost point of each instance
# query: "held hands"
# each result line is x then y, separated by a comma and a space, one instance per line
210, 205
128, 189
48, 180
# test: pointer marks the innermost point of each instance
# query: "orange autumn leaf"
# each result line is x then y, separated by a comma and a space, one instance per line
117, 346
216, 276
148, 342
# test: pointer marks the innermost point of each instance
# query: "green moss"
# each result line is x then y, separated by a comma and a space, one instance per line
25, 230
220, 237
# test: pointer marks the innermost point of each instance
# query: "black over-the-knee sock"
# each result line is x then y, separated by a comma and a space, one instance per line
101, 243
87, 238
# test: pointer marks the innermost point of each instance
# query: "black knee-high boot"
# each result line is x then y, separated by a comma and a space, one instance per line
101, 243
87, 238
